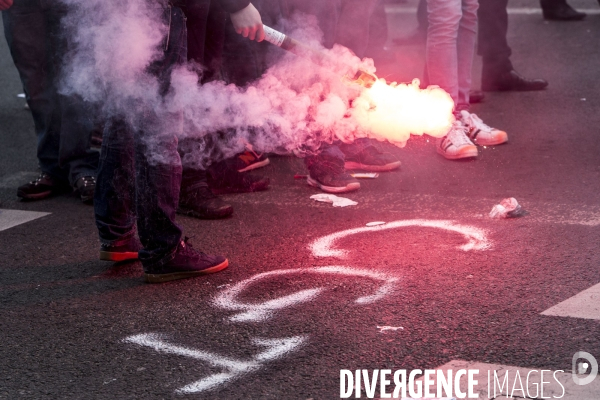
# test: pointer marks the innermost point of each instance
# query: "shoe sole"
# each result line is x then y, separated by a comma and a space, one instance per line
503, 138
37, 196
218, 214
256, 165
470, 152
372, 168
160, 278
333, 189
116, 257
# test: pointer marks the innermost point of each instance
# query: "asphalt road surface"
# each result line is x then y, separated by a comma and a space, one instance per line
277, 324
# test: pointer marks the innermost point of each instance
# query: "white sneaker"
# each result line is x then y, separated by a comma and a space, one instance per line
480, 133
456, 144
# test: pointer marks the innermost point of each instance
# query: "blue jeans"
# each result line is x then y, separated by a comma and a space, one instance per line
63, 124
134, 185
451, 47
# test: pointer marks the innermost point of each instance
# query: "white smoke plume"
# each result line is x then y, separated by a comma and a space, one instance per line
294, 105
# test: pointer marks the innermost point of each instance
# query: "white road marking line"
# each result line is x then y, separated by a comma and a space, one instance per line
585, 304
256, 312
399, 9
12, 218
235, 368
382, 329
476, 237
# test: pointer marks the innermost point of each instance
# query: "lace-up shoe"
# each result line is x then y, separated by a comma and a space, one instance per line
184, 262
201, 202
43, 186
456, 144
371, 159
330, 176
479, 132
85, 187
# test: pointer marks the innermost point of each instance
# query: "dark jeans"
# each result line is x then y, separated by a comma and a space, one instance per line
140, 170
63, 124
492, 43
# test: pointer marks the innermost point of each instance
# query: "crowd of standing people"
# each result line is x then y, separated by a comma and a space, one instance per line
136, 200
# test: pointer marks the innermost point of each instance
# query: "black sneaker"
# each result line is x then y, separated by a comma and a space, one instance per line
42, 187
85, 186
330, 177
249, 160
185, 262
232, 181
124, 252
202, 203
371, 159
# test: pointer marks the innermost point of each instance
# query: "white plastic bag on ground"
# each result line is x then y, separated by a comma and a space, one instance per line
508, 208
335, 200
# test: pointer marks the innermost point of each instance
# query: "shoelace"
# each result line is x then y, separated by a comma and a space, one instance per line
188, 249
39, 179
88, 181
479, 124
458, 136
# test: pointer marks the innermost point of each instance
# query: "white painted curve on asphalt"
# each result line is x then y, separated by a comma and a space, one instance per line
476, 237
257, 312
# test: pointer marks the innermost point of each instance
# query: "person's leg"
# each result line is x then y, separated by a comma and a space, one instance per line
497, 72
444, 18
75, 121
492, 44
75, 153
157, 180
115, 193
447, 56
27, 27
165, 256
33, 31
465, 46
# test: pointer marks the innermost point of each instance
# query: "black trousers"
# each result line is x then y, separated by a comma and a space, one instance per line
492, 44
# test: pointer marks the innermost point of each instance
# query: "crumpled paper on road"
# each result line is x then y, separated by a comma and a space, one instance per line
331, 198
508, 208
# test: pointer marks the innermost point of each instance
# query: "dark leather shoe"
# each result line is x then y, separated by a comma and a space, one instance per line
476, 96
562, 12
85, 186
202, 203
44, 186
511, 81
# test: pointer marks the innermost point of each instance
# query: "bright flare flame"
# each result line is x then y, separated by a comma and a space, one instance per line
394, 112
